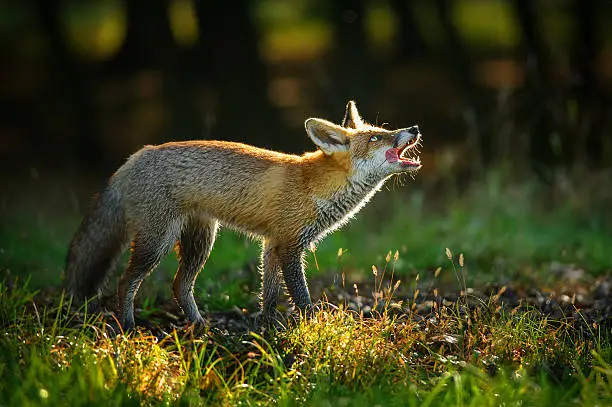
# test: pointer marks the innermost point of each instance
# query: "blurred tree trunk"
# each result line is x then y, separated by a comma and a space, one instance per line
228, 57
590, 104
73, 80
539, 100
566, 119
411, 44
474, 110
148, 42
149, 45
350, 64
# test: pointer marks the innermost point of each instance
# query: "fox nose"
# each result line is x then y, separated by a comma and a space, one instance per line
411, 134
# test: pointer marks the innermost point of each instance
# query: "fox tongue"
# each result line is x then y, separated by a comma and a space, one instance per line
392, 155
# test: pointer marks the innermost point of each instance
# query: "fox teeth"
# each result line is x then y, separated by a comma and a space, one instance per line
404, 154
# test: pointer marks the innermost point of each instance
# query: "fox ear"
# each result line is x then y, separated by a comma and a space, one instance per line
351, 116
328, 136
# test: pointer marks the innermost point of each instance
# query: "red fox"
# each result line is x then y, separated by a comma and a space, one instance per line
176, 195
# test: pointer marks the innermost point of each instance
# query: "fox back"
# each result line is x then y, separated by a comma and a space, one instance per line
176, 194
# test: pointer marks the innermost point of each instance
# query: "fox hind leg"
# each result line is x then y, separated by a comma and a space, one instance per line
196, 242
148, 249
271, 279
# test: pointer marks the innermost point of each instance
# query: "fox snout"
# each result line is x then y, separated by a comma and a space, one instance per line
404, 148
414, 130
407, 137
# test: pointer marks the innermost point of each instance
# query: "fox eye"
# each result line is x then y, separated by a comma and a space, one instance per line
375, 138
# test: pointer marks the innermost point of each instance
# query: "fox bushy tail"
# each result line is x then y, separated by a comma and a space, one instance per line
97, 245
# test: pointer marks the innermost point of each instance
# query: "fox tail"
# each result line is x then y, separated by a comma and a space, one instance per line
97, 245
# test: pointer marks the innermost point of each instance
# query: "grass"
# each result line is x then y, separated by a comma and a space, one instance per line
495, 221
411, 350
486, 356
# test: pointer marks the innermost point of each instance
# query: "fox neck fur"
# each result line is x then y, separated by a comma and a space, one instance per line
339, 198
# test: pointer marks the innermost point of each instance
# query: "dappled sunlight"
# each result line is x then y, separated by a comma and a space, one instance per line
183, 22
407, 348
96, 30
474, 19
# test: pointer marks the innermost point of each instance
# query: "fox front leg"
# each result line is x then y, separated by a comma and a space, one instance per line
292, 264
271, 279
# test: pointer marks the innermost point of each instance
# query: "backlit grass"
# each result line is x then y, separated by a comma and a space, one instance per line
410, 347
484, 356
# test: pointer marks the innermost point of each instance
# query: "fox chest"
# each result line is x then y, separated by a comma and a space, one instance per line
337, 210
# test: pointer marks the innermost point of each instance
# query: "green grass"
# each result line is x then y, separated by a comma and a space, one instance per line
485, 355
500, 225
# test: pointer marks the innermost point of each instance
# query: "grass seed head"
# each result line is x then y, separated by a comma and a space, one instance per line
397, 284
449, 254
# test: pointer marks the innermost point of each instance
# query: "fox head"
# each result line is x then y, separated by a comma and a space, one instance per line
372, 150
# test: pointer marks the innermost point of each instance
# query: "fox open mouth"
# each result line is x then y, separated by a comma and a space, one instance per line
405, 156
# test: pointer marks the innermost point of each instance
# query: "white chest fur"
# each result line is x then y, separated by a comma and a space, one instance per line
336, 211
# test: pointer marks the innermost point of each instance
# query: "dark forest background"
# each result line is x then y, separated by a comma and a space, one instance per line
84, 83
